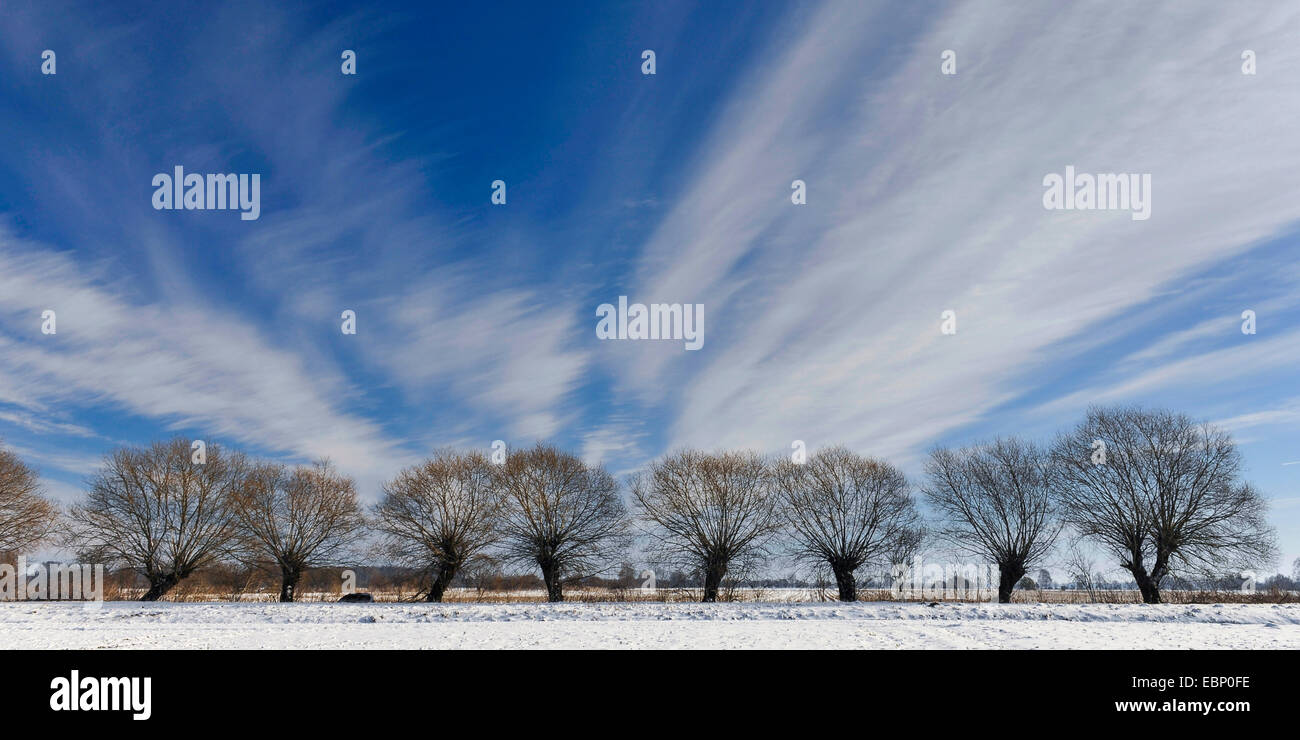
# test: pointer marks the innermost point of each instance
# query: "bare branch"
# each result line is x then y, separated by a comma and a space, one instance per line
299, 519
708, 512
440, 516
159, 512
995, 503
559, 514
1167, 496
845, 511
26, 517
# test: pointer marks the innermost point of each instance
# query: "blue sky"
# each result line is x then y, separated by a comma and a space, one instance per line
476, 321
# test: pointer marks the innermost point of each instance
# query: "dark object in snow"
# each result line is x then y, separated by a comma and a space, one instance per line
356, 599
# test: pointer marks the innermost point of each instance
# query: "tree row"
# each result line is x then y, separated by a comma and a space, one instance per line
1154, 489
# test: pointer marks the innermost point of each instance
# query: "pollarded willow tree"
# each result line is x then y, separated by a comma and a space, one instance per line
298, 519
1161, 492
995, 502
845, 511
708, 513
559, 514
440, 516
26, 517
161, 510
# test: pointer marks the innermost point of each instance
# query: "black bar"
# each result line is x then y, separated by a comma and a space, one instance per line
585, 690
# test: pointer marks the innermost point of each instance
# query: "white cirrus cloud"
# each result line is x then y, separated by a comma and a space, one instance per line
185, 365
925, 195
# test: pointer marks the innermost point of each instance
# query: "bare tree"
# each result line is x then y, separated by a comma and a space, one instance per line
995, 502
708, 512
559, 514
1082, 569
1160, 491
26, 517
297, 519
160, 511
845, 511
440, 515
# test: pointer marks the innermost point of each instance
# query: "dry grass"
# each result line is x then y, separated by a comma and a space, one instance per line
236, 585
196, 593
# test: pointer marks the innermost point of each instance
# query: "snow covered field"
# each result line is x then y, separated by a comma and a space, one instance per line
45, 625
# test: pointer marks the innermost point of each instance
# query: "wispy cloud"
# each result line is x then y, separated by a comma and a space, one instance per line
474, 323
926, 196
187, 365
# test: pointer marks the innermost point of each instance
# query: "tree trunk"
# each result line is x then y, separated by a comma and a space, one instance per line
1149, 586
289, 578
554, 589
159, 586
1009, 574
1147, 583
713, 575
441, 580
847, 582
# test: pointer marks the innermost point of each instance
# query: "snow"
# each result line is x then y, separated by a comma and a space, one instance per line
867, 625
